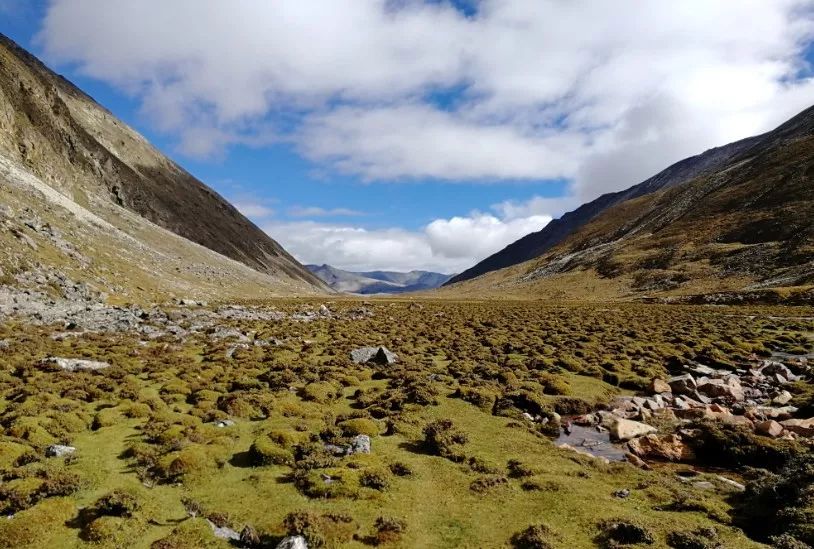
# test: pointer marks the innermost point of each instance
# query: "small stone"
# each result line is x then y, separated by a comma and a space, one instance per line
360, 444
624, 493
783, 398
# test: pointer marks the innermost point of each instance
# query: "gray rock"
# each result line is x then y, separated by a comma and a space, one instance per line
224, 423
292, 542
377, 355
682, 385
77, 365
360, 444
59, 450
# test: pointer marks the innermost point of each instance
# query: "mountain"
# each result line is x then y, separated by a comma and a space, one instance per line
378, 282
536, 244
736, 218
74, 155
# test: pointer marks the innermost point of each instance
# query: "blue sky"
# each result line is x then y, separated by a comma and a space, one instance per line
424, 134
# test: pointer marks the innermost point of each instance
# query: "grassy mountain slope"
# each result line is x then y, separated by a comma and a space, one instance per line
536, 244
59, 135
746, 225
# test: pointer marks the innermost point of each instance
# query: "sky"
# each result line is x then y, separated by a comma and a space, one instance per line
426, 134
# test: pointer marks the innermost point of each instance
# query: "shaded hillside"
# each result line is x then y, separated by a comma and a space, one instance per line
378, 282
68, 141
745, 226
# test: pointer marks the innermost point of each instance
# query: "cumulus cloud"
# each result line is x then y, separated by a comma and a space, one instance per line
601, 93
445, 245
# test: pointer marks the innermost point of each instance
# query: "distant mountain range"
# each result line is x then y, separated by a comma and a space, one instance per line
378, 282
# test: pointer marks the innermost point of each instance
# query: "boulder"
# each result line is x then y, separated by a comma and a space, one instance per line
803, 427
769, 428
59, 450
682, 385
658, 386
377, 355
666, 447
76, 364
292, 542
625, 429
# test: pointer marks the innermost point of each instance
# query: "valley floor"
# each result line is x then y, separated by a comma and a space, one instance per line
252, 421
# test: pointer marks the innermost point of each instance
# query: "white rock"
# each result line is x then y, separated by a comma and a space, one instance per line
77, 364
59, 450
626, 429
293, 542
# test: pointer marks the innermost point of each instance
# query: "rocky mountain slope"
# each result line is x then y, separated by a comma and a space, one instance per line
737, 218
71, 164
378, 282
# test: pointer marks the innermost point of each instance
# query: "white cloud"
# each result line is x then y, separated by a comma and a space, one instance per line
315, 211
602, 93
420, 141
445, 245
253, 210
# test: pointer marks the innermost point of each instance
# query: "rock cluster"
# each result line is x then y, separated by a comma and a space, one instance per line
753, 398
